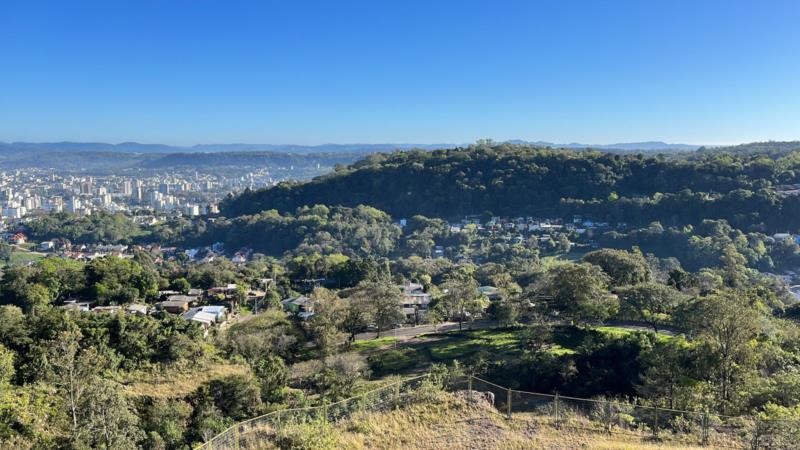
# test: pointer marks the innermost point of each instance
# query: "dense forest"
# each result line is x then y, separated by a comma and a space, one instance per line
520, 180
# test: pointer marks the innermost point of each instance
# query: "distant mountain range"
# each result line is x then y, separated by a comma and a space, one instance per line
649, 146
135, 147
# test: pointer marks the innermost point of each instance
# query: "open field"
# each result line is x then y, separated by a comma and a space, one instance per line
419, 353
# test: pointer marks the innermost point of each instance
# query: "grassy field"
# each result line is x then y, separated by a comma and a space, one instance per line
442, 420
177, 384
22, 257
367, 345
467, 345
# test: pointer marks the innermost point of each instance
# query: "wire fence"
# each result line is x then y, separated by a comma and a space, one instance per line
250, 433
643, 422
599, 415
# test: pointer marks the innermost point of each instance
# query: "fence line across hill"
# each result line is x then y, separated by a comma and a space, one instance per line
607, 416
249, 432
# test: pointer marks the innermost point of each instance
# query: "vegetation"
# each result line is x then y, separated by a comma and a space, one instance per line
677, 306
516, 180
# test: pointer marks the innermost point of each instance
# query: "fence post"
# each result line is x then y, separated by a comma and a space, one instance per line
608, 415
236, 437
508, 402
704, 440
469, 383
325, 410
555, 407
397, 395
655, 423
756, 435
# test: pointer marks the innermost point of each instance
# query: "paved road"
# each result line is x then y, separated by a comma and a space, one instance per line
405, 333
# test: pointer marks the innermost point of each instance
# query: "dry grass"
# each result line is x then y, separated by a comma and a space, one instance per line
178, 383
450, 422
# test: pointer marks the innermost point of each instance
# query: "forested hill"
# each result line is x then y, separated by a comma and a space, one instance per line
523, 180
774, 149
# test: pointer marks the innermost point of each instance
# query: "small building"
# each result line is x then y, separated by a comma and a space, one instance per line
302, 306
224, 290
191, 299
47, 246
203, 318
415, 301
174, 306
136, 308
107, 309
77, 304
167, 293
218, 311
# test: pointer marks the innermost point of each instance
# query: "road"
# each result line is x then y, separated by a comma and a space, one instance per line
405, 333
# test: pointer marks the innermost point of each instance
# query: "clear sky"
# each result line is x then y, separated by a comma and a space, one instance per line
399, 71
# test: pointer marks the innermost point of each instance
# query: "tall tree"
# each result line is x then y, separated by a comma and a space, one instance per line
383, 300
460, 299
653, 303
727, 323
580, 291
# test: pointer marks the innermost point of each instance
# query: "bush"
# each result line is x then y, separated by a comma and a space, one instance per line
316, 435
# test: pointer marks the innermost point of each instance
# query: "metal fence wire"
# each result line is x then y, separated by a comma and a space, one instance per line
596, 415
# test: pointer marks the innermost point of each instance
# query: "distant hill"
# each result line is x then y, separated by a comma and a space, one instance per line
135, 147
649, 146
109, 162
519, 180
773, 149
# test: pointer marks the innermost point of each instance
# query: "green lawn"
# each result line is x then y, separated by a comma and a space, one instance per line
619, 332
18, 257
372, 344
446, 347
467, 345
573, 255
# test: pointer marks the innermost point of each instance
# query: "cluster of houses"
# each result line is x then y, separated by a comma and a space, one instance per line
204, 307
16, 238
414, 303
531, 225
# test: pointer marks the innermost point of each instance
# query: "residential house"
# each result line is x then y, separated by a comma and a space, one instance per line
174, 306
136, 308
218, 311
77, 304
205, 319
301, 306
415, 301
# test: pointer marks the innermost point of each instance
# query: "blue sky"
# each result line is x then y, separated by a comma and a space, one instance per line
200, 71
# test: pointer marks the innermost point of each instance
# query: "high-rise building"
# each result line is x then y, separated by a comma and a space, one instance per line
74, 204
